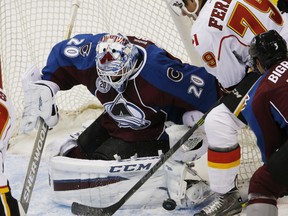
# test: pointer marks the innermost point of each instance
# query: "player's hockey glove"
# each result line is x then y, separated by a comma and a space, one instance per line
39, 101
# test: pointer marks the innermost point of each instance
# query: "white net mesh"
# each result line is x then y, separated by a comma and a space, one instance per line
29, 29
251, 156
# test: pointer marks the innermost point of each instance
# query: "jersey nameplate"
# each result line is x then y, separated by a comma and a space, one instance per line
218, 14
278, 72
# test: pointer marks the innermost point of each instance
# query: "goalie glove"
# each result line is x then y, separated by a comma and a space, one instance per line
39, 102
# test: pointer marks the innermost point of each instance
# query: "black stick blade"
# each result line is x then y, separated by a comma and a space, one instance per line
80, 209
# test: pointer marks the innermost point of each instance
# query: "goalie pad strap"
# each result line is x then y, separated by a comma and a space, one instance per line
276, 165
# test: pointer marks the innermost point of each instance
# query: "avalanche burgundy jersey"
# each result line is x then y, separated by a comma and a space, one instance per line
266, 109
224, 29
161, 89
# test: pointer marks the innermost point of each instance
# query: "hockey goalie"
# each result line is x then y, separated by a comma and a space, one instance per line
150, 99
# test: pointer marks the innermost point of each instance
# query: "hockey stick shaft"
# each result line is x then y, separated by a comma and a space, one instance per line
80, 209
33, 165
39, 143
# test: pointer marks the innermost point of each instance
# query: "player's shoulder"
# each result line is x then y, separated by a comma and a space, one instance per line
79, 45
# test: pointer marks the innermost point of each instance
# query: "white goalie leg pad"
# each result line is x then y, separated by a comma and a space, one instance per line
187, 152
175, 180
184, 185
101, 183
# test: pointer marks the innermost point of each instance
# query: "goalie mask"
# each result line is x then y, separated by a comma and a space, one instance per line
116, 59
269, 48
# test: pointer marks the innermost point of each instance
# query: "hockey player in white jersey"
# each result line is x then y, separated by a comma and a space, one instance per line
8, 204
221, 34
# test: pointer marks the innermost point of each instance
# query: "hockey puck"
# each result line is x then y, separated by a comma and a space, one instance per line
169, 204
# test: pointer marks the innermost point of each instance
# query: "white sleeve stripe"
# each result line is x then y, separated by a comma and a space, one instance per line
286, 121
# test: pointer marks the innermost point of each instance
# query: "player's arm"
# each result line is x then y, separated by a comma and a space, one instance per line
40, 88
190, 87
279, 110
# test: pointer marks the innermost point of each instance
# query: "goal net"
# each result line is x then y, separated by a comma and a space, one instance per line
29, 29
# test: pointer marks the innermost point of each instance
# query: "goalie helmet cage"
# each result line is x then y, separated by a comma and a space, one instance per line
29, 29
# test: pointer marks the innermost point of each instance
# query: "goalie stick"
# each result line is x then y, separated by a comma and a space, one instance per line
39, 143
33, 165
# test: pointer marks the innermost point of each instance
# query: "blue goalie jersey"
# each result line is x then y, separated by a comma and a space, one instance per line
161, 89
